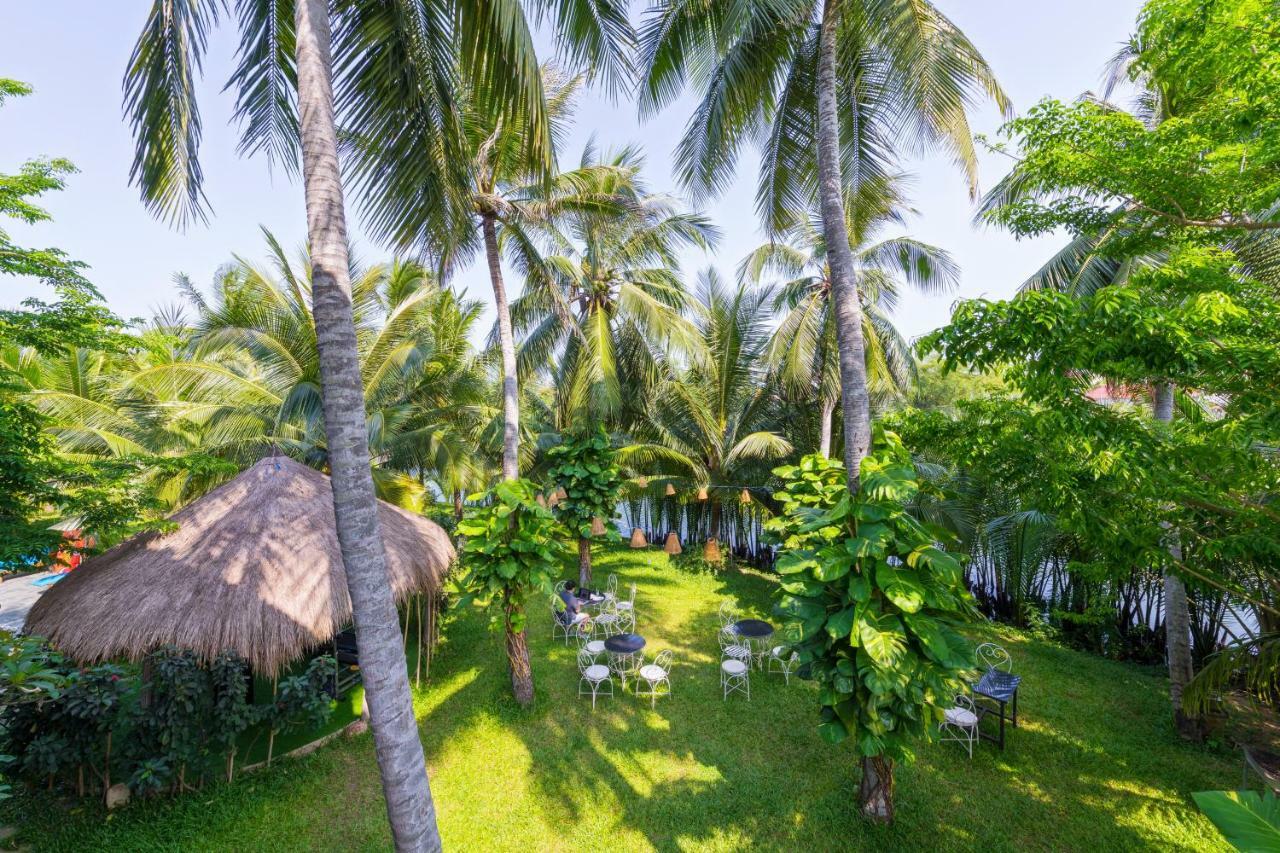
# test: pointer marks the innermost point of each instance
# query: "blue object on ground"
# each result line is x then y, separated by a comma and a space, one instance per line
49, 581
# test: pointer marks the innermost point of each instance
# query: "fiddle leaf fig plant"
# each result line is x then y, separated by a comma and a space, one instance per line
875, 603
585, 468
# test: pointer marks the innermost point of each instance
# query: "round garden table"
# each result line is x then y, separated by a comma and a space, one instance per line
624, 644
754, 630
623, 649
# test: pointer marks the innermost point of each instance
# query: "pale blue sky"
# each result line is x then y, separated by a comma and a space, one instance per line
74, 51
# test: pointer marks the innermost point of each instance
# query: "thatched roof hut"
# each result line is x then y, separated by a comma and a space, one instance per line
254, 568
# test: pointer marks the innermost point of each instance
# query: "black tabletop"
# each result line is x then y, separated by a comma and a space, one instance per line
624, 643
753, 628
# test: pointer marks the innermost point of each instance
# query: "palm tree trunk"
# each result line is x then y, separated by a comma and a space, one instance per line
507, 344
824, 427
844, 291
1177, 614
876, 791
517, 655
385, 672
584, 561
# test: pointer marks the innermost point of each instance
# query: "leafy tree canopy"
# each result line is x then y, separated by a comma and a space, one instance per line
1210, 159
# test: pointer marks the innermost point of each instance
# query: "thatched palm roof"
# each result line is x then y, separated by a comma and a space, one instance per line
254, 568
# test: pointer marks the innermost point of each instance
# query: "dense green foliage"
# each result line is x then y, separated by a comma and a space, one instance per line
168, 725
875, 605
584, 466
511, 547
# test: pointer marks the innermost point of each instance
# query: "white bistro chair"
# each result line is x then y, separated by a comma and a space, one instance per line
593, 677
960, 723
628, 605
656, 677
735, 675
991, 656
562, 625
733, 646
782, 659
606, 623
582, 634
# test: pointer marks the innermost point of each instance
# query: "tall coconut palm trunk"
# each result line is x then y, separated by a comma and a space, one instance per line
385, 672
844, 292
516, 643
824, 427
876, 791
584, 561
507, 344
517, 647
1177, 615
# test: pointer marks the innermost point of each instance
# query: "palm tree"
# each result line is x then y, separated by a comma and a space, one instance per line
778, 72
246, 378
804, 347
607, 309
397, 61
716, 422
781, 72
508, 197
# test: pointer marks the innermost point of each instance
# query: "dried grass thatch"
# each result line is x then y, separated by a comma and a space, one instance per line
253, 568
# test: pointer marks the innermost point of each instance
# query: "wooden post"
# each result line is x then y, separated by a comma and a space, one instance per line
417, 666
271, 734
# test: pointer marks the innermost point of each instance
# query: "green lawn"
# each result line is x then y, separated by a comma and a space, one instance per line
1093, 767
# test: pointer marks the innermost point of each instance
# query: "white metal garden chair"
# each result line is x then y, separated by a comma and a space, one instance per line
960, 723
611, 588
735, 676
628, 605
606, 622
656, 677
561, 624
593, 676
626, 623
782, 659
733, 646
582, 633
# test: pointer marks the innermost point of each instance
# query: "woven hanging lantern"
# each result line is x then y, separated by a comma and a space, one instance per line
711, 551
637, 538
702, 494
554, 500
671, 490
643, 482
673, 544
562, 494
745, 497
597, 526
542, 502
